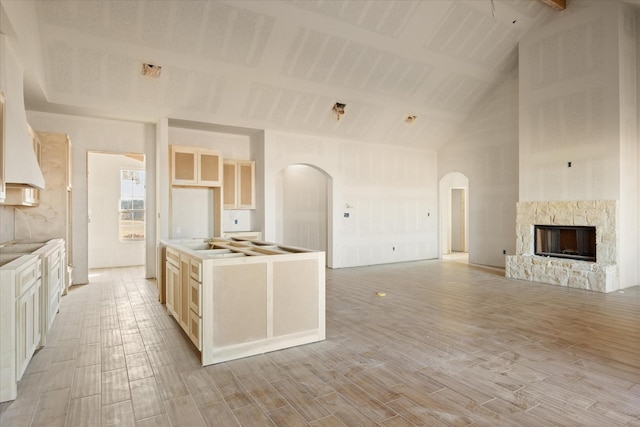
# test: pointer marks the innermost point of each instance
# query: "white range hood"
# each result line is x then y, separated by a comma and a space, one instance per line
21, 166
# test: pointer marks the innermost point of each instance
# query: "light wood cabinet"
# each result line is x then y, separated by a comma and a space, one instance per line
191, 166
239, 184
183, 311
184, 287
172, 280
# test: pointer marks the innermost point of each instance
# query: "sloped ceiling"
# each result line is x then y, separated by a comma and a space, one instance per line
278, 64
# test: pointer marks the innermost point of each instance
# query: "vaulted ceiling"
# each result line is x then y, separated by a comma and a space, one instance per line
281, 65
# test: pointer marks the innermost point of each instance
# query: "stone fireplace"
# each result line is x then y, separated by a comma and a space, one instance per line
595, 273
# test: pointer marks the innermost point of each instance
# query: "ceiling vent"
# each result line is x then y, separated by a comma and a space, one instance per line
150, 70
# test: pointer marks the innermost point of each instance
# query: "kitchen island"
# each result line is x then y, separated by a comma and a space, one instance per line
236, 297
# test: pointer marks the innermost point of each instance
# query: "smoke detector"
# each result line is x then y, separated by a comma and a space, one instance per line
150, 70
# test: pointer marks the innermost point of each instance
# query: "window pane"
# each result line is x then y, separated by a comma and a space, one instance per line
132, 204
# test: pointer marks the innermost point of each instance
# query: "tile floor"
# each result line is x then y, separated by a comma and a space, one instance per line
450, 344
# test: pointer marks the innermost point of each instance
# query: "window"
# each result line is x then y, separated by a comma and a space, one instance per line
132, 204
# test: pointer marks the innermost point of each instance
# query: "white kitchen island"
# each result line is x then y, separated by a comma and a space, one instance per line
238, 298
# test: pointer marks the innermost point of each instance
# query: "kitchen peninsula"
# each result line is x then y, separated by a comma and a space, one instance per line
236, 298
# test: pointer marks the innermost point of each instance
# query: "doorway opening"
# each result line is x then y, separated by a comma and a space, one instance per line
303, 203
454, 219
116, 202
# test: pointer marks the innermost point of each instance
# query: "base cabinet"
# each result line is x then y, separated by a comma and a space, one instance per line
20, 320
183, 292
28, 327
172, 281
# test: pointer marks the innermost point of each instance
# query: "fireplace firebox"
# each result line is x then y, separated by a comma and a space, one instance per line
573, 242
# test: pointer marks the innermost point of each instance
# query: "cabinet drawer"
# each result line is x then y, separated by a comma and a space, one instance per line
173, 257
195, 270
28, 276
194, 329
195, 290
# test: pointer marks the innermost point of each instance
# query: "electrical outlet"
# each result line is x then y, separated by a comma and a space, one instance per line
178, 230
235, 221
504, 252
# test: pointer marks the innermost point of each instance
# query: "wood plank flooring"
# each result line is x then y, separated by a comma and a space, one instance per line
450, 344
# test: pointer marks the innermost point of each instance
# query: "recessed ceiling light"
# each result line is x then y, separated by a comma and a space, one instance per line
150, 70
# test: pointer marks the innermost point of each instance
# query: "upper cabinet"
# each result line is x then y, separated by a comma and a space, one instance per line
239, 184
192, 166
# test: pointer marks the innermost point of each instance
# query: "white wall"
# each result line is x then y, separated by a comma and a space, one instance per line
569, 107
486, 152
389, 190
303, 215
578, 104
629, 248
90, 134
105, 249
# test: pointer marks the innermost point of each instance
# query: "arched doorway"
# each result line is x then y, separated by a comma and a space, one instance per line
454, 218
303, 204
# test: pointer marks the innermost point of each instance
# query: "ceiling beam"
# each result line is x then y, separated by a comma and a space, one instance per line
556, 4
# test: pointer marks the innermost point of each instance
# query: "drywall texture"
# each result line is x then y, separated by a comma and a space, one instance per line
88, 134
486, 152
570, 107
303, 208
105, 249
388, 193
579, 115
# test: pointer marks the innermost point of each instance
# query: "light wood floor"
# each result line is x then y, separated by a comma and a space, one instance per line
449, 344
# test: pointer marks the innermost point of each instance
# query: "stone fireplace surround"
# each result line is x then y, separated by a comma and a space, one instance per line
600, 276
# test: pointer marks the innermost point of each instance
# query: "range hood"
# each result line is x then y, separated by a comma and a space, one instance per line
20, 162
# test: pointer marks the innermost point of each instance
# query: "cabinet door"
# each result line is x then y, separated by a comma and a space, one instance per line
28, 327
230, 198
173, 280
209, 168
184, 162
184, 289
194, 329
246, 184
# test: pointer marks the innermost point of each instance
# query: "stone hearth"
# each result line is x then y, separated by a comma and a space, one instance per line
600, 276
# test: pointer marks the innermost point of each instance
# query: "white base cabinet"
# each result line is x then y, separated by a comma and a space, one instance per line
20, 321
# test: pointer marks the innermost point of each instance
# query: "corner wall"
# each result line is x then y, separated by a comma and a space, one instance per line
579, 116
486, 152
389, 191
90, 134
